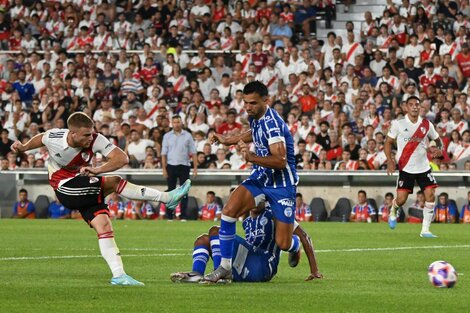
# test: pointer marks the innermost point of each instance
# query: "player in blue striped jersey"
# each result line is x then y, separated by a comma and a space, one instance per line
273, 177
255, 258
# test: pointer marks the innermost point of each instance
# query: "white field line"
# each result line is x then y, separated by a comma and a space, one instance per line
59, 257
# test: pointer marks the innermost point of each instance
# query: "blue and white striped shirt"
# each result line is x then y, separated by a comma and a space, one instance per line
268, 130
260, 232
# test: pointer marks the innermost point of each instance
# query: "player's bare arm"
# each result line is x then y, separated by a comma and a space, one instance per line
116, 160
277, 160
33, 143
232, 140
309, 251
388, 153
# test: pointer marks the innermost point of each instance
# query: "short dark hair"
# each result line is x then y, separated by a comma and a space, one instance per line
176, 117
256, 87
298, 195
210, 192
23, 190
389, 194
362, 191
412, 98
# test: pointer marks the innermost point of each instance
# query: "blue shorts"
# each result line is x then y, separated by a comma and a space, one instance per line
281, 199
249, 265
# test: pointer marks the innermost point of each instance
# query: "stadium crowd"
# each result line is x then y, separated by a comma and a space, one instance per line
125, 64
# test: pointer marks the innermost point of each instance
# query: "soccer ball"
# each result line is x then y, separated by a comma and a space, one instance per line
442, 274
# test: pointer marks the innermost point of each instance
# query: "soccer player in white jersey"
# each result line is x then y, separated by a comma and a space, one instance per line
273, 178
411, 134
78, 186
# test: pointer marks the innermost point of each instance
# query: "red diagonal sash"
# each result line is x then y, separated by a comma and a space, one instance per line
271, 81
351, 50
179, 83
413, 143
154, 109
105, 40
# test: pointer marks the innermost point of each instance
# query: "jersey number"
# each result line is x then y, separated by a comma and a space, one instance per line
431, 178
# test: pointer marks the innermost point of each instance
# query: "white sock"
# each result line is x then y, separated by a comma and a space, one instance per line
110, 253
136, 192
428, 216
394, 208
226, 263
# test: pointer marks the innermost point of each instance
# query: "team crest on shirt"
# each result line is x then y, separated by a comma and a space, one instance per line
400, 183
86, 157
423, 130
288, 212
94, 180
263, 221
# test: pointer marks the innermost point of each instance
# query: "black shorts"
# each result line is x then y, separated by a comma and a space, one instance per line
406, 181
84, 194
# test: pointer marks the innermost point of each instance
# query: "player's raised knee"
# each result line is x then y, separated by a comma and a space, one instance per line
284, 243
214, 231
202, 240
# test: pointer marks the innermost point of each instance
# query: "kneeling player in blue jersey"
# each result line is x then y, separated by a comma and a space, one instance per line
255, 258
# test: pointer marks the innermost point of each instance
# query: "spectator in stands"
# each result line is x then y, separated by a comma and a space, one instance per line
24, 208
143, 211
177, 151
115, 205
465, 211
363, 211
303, 212
58, 211
136, 149
5, 143
445, 210
211, 210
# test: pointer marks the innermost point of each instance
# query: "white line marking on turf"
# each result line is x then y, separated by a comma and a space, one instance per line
392, 248
59, 257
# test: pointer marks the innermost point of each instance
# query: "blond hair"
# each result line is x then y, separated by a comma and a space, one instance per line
78, 120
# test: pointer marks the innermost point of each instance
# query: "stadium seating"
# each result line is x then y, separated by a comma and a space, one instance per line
319, 213
192, 210
42, 205
341, 211
372, 202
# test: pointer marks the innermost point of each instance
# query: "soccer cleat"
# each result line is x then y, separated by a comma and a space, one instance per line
427, 235
186, 277
177, 194
125, 280
294, 258
392, 222
219, 276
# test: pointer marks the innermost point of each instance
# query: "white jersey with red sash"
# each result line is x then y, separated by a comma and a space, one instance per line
411, 142
315, 148
461, 152
452, 49
351, 50
64, 161
245, 60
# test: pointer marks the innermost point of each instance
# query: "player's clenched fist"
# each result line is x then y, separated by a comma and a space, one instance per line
214, 138
89, 171
17, 147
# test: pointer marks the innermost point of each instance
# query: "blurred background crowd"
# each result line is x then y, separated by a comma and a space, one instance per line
133, 65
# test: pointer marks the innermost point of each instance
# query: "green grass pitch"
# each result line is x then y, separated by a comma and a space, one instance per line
55, 266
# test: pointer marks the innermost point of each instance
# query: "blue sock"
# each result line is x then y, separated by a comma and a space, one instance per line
215, 248
294, 247
226, 237
200, 258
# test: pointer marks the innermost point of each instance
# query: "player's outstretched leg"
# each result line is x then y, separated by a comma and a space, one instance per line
201, 255
137, 192
392, 218
288, 242
110, 252
400, 200
240, 201
428, 213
